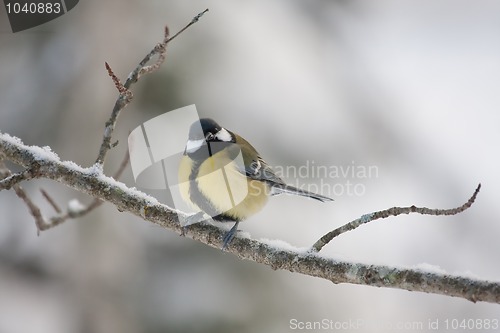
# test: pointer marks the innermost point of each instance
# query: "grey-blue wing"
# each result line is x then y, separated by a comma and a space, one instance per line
260, 170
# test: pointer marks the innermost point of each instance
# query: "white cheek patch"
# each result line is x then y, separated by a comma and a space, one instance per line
194, 145
224, 135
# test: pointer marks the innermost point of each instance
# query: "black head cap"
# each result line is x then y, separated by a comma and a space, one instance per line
208, 126
210, 131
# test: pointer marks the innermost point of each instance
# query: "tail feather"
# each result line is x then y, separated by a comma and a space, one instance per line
287, 189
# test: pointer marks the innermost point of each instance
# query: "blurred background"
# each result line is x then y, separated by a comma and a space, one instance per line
408, 87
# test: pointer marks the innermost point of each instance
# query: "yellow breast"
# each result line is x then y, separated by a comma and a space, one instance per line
220, 181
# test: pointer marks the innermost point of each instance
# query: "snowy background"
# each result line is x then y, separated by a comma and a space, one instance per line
410, 87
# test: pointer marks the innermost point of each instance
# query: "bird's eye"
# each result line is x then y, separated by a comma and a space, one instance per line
209, 136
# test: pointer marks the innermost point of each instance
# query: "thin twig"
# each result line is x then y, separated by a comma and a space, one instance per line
97, 202
119, 86
394, 211
161, 50
41, 223
56, 220
15, 178
51, 201
34, 210
122, 102
193, 21
21, 193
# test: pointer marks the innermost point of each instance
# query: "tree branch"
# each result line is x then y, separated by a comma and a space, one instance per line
51, 201
10, 179
41, 222
394, 211
84, 210
94, 183
42, 163
125, 96
34, 210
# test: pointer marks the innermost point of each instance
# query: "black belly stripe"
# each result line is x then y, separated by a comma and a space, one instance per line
195, 194
200, 199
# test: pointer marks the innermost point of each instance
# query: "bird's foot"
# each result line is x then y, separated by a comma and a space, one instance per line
228, 237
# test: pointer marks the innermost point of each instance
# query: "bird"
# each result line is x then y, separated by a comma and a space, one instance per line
223, 176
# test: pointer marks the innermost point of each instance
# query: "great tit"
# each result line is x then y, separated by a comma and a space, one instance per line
222, 175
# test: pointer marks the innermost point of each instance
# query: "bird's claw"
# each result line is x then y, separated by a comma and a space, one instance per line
228, 237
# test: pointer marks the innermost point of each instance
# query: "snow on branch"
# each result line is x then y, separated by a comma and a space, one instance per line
93, 182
